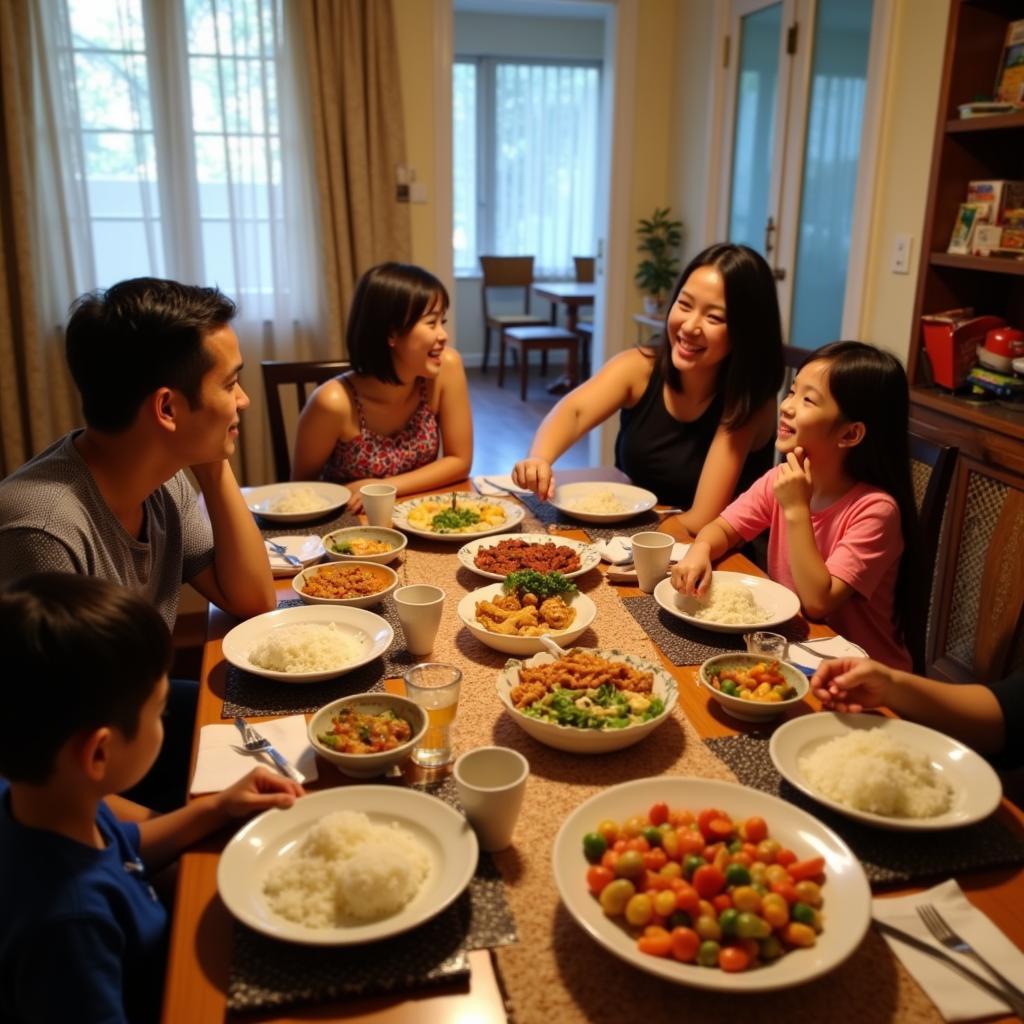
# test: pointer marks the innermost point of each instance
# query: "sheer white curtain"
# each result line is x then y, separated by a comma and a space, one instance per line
176, 145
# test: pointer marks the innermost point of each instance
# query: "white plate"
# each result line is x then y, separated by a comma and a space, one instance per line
588, 741
308, 550
780, 603
373, 632
633, 499
976, 787
846, 893
262, 500
589, 556
261, 844
514, 513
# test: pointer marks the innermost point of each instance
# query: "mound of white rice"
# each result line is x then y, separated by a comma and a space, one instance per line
599, 502
345, 870
308, 647
300, 499
729, 604
869, 771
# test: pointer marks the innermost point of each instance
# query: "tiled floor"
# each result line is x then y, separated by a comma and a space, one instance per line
503, 426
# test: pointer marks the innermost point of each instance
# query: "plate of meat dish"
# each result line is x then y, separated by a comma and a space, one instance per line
496, 557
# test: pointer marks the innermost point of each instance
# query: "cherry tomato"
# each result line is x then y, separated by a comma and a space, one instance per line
598, 877
733, 959
658, 944
658, 814
685, 943
705, 818
708, 881
801, 869
754, 830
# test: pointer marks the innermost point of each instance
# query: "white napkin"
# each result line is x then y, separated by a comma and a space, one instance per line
219, 764
956, 998
277, 563
620, 549
836, 646
506, 481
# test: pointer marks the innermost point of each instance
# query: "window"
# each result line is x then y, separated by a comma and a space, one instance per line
524, 161
177, 114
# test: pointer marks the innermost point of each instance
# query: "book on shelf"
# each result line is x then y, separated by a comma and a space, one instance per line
1001, 195
1010, 76
985, 239
985, 108
967, 218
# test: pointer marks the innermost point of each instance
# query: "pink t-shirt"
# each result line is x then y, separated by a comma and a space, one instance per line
860, 539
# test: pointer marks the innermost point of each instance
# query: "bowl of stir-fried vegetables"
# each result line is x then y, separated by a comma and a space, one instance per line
587, 701
364, 734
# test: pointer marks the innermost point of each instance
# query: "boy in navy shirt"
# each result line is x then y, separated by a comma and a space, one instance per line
82, 933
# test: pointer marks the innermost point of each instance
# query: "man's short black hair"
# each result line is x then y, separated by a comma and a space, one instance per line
79, 653
139, 335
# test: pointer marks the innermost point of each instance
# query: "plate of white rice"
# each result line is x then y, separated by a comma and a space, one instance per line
307, 644
296, 502
886, 772
347, 865
603, 501
736, 603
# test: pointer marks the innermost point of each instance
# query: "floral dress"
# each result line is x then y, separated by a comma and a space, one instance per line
372, 455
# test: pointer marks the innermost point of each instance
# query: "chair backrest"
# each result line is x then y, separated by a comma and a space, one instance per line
931, 471
506, 272
303, 375
584, 269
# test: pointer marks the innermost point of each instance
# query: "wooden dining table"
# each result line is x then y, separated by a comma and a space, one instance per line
556, 971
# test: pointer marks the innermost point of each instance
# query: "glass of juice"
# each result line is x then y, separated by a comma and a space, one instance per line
435, 687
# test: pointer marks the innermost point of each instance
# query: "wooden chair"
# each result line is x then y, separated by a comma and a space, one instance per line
931, 471
508, 272
541, 339
303, 375
584, 269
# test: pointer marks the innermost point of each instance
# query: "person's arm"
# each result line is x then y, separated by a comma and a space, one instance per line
969, 712
164, 837
692, 575
819, 591
619, 383
128, 810
239, 579
321, 423
723, 465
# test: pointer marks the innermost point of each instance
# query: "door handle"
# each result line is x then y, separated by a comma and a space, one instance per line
769, 231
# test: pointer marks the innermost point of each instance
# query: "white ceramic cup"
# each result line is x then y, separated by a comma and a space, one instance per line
651, 554
419, 611
379, 503
491, 783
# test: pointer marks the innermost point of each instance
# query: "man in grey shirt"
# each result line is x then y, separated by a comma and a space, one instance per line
157, 365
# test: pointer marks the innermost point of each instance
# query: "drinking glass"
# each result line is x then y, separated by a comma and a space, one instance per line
771, 645
435, 687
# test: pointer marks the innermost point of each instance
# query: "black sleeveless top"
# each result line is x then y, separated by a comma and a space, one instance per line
657, 451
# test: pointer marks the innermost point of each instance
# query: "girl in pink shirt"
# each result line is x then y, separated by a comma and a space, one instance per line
840, 507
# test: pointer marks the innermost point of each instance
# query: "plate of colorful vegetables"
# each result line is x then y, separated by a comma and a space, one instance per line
763, 896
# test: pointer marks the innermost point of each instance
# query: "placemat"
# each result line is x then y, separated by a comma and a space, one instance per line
267, 974
248, 694
320, 527
684, 644
887, 857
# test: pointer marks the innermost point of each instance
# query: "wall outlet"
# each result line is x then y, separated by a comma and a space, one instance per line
900, 263
417, 192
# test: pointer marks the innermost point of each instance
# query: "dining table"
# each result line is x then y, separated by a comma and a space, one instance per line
571, 294
555, 971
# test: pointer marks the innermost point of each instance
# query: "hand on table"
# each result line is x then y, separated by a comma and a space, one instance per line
535, 475
260, 790
852, 684
692, 575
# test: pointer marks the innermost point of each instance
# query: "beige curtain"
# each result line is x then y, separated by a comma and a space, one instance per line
359, 139
37, 399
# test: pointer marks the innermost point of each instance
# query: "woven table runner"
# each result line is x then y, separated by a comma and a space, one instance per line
320, 527
887, 857
267, 974
555, 519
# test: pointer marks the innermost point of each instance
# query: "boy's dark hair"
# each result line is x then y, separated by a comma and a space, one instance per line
752, 372
870, 386
389, 299
139, 335
80, 653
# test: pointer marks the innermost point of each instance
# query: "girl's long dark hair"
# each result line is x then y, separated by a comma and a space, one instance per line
752, 372
870, 386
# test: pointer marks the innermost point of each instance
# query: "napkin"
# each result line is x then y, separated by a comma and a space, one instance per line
836, 646
956, 998
506, 481
219, 764
620, 549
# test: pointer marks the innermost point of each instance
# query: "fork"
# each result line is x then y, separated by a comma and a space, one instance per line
281, 550
254, 743
940, 929
500, 487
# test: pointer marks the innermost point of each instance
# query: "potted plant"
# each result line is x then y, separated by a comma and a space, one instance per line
660, 238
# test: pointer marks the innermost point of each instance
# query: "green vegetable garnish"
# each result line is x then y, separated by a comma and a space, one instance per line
603, 708
543, 584
342, 547
454, 519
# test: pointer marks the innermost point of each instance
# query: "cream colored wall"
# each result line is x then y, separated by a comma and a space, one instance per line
904, 162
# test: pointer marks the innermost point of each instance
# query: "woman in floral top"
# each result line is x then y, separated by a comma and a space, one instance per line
402, 414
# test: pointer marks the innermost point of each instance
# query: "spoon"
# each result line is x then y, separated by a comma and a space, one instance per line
551, 647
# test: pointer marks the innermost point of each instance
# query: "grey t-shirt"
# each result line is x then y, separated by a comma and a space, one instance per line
54, 519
